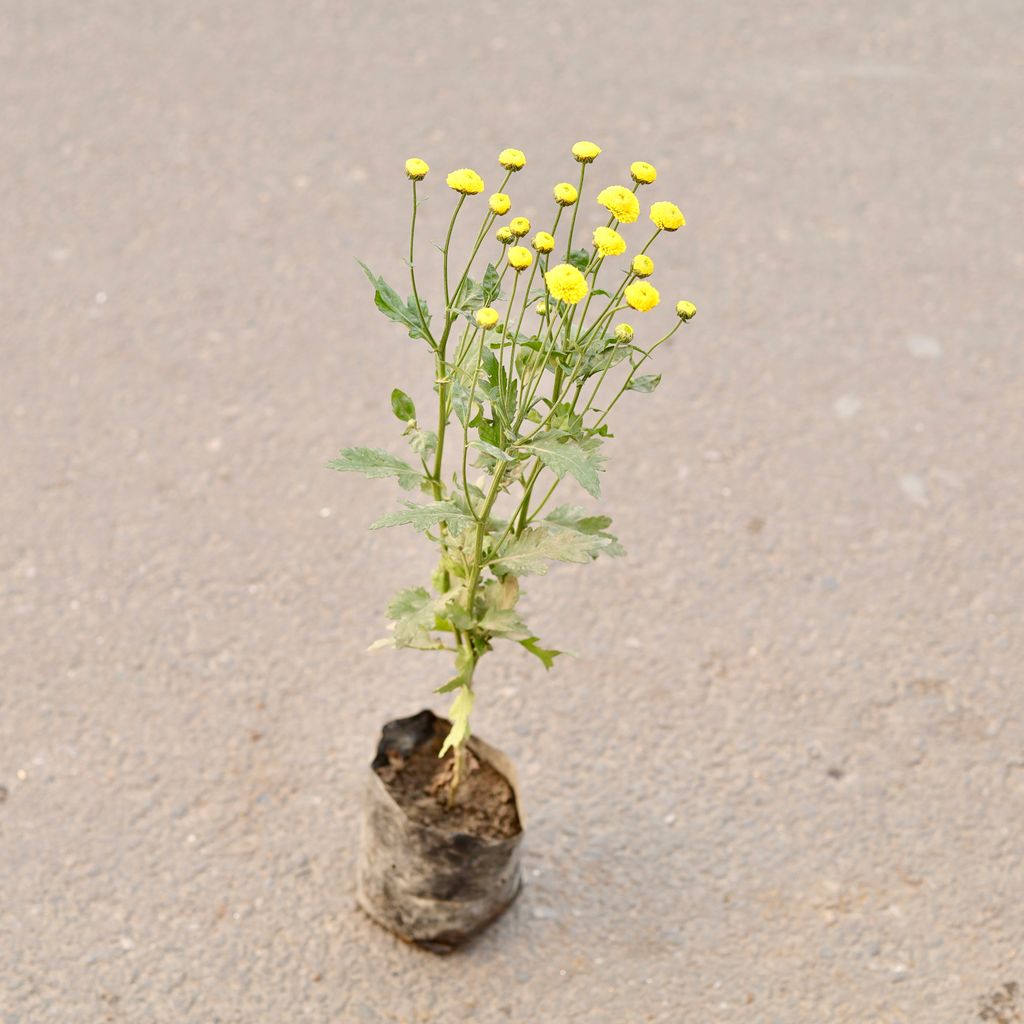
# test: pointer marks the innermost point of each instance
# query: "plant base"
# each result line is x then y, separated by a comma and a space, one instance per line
424, 876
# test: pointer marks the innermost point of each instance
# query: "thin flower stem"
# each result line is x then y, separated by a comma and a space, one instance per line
412, 268
647, 355
575, 209
447, 245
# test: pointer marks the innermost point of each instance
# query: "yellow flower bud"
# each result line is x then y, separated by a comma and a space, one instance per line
565, 194
667, 216
624, 332
566, 283
642, 172
504, 235
642, 296
541, 309
499, 203
519, 258
416, 169
466, 181
519, 226
486, 317
609, 242
685, 310
643, 265
543, 242
620, 202
586, 152
512, 159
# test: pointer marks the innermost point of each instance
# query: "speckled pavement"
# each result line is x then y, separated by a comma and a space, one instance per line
783, 782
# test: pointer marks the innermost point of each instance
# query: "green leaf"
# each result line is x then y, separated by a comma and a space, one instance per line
546, 655
530, 553
494, 452
402, 406
580, 258
505, 624
579, 458
391, 305
572, 517
423, 517
458, 713
492, 285
374, 463
413, 614
645, 383
422, 442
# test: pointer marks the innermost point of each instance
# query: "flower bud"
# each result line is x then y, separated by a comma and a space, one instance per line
486, 317
416, 169
512, 159
623, 332
685, 310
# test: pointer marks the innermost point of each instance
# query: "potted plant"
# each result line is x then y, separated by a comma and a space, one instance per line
529, 360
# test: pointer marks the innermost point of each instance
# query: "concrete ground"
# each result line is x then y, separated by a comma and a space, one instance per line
784, 779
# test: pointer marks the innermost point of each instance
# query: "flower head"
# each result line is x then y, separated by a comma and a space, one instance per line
416, 169
565, 194
499, 203
466, 181
609, 242
519, 257
543, 242
667, 216
685, 310
642, 172
512, 159
566, 283
486, 317
642, 266
623, 332
504, 235
620, 202
541, 309
642, 296
586, 152
519, 226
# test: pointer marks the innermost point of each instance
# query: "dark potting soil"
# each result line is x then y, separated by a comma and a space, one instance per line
485, 805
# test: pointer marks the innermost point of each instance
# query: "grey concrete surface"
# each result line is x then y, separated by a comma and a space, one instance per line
784, 779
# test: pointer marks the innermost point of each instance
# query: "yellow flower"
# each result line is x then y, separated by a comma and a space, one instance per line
468, 182
543, 242
620, 202
609, 242
566, 283
642, 172
519, 226
499, 203
512, 159
624, 332
416, 169
504, 234
565, 194
642, 296
586, 152
519, 257
643, 266
667, 216
541, 308
486, 317
685, 310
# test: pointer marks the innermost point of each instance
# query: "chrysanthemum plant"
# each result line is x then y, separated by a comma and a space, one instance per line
529, 361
